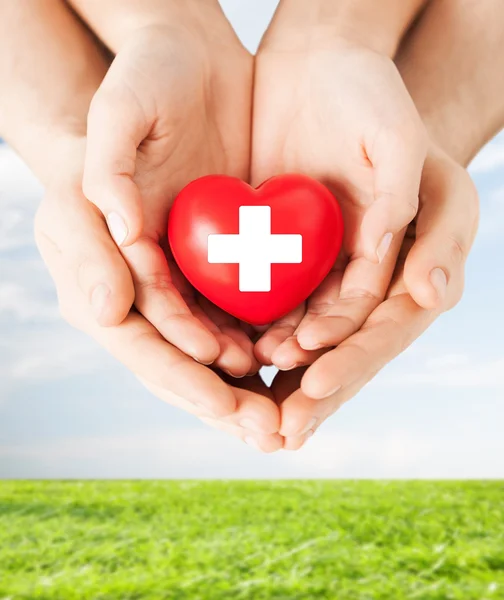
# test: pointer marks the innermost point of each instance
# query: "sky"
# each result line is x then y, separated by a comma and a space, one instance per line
67, 409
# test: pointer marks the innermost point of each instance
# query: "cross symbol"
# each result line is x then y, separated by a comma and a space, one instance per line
255, 248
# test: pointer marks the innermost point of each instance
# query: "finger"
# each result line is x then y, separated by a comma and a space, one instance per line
66, 227
387, 333
276, 334
397, 156
344, 301
237, 350
289, 355
445, 231
341, 373
140, 347
255, 411
116, 127
298, 420
294, 443
263, 443
159, 299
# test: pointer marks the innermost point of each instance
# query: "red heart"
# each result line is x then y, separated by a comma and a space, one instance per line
300, 208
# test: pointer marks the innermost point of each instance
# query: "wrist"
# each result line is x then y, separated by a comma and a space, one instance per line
117, 21
52, 155
377, 26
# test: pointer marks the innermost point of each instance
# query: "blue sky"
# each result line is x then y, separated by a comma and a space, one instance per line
69, 410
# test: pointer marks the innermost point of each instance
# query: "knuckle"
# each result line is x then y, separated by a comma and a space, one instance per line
84, 269
406, 137
156, 282
456, 247
91, 187
410, 205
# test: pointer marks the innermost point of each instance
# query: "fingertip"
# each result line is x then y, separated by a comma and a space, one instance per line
317, 387
309, 339
204, 347
284, 358
118, 198
428, 288
110, 309
265, 443
263, 351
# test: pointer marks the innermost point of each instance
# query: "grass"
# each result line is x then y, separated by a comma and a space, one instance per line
251, 540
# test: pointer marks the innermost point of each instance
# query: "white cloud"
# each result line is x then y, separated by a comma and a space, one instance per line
491, 157
50, 353
20, 193
466, 373
447, 360
17, 302
198, 452
492, 214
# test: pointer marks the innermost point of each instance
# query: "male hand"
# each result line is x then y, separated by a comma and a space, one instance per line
80, 255
440, 238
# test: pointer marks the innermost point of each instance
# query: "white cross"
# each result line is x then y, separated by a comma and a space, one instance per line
255, 248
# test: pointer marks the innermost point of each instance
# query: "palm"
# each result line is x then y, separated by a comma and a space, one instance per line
313, 127
441, 234
170, 86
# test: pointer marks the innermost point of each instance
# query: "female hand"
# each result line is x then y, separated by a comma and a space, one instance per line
339, 112
174, 105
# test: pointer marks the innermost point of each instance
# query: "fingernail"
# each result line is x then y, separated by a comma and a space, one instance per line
439, 282
117, 228
201, 362
383, 246
290, 368
99, 298
251, 425
310, 425
309, 344
333, 391
233, 375
252, 442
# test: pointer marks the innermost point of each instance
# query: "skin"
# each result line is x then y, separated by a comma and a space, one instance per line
154, 125
72, 234
66, 217
456, 91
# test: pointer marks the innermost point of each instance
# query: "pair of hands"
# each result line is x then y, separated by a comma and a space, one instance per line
175, 105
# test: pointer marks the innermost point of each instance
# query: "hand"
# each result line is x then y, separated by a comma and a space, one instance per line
340, 113
174, 106
80, 255
440, 239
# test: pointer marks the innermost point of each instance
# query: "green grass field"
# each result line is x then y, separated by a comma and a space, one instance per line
219, 540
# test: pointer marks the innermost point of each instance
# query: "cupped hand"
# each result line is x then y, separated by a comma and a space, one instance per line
340, 113
89, 270
175, 105
438, 241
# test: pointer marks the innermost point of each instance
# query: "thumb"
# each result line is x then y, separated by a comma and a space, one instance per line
445, 231
116, 127
397, 156
75, 245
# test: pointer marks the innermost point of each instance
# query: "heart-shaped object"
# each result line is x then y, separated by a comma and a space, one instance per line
255, 253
